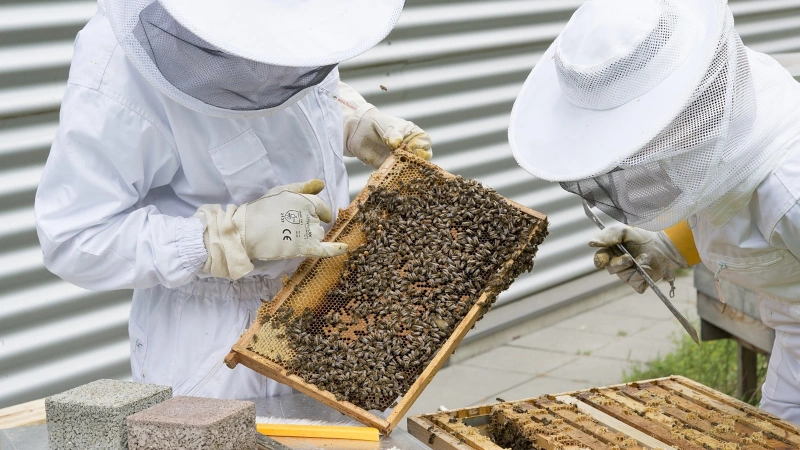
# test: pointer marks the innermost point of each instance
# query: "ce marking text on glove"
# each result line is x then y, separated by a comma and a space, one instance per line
295, 217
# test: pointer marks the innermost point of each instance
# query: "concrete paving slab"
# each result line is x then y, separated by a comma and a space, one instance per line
563, 341
666, 330
460, 385
537, 387
647, 306
608, 324
691, 314
520, 360
639, 350
591, 369
685, 292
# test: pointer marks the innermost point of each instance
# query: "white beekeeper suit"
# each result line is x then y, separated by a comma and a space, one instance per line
194, 137
655, 112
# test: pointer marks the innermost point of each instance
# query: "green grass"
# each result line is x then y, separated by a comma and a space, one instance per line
711, 363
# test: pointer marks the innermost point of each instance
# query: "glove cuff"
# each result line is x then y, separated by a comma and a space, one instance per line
352, 124
682, 237
239, 221
353, 107
671, 251
227, 256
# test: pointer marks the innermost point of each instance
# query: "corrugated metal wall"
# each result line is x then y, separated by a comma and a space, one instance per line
454, 67
52, 335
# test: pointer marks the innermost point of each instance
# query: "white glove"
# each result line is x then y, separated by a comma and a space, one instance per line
655, 252
370, 135
284, 223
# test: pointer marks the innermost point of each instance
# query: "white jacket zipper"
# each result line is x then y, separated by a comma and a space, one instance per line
723, 266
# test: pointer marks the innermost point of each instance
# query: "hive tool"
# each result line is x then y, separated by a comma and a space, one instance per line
685, 323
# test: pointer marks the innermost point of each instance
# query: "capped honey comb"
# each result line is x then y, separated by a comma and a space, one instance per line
667, 413
428, 253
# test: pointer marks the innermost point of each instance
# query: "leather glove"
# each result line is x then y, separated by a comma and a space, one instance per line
370, 135
654, 251
284, 223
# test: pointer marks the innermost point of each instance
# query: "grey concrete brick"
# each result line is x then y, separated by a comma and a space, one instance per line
92, 416
194, 423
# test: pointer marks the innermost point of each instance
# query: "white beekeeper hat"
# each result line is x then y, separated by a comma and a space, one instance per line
291, 43
654, 110
617, 75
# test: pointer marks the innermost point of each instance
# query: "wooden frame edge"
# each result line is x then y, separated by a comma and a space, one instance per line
424, 378
240, 354
265, 367
419, 426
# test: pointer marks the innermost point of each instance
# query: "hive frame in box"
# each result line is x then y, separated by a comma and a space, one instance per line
441, 431
241, 354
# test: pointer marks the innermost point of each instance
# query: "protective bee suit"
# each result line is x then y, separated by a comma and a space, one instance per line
198, 156
655, 112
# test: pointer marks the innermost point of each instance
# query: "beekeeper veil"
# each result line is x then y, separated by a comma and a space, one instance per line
248, 57
654, 110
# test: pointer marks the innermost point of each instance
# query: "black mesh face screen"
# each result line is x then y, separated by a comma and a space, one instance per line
200, 70
628, 195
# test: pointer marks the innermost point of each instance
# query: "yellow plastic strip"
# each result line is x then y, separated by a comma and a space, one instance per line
319, 431
681, 235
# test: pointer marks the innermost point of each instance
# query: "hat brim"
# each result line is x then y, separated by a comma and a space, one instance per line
557, 141
297, 34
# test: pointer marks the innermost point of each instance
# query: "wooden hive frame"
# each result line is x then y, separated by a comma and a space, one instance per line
240, 354
694, 417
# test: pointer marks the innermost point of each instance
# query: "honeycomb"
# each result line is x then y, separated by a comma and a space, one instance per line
672, 412
423, 247
513, 429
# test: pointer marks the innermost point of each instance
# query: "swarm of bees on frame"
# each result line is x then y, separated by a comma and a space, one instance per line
432, 246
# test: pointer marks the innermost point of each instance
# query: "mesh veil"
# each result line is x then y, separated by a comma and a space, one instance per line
736, 127
198, 75
202, 71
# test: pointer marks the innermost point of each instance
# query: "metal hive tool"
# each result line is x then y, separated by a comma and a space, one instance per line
367, 331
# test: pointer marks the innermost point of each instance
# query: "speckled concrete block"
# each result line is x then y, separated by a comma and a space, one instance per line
92, 416
194, 423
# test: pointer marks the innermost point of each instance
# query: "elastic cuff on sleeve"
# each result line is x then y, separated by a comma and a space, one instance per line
191, 248
353, 134
682, 238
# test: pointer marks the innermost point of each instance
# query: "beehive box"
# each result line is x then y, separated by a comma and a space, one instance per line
365, 332
667, 413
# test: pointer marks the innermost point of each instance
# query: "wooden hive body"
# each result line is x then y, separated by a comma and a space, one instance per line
265, 348
667, 413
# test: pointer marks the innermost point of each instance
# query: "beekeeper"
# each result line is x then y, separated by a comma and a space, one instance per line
655, 112
199, 150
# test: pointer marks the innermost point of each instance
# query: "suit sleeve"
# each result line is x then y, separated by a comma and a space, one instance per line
93, 227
